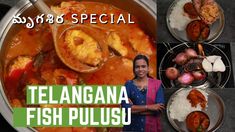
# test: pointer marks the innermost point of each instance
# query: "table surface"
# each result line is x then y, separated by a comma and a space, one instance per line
227, 36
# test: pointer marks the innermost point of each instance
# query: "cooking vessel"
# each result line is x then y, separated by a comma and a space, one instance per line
145, 12
213, 79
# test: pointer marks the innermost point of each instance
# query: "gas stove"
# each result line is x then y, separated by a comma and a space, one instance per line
224, 47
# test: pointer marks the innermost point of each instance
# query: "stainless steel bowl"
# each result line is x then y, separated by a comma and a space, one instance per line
145, 11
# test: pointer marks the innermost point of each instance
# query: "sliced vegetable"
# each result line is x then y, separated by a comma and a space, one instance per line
219, 66
207, 66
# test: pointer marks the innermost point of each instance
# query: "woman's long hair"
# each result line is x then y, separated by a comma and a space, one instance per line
139, 57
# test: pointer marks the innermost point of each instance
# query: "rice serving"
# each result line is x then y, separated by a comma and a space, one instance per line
181, 107
178, 18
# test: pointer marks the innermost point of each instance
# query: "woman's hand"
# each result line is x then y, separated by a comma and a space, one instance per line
156, 107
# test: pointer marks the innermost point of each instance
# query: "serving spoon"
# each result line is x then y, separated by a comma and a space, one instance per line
56, 33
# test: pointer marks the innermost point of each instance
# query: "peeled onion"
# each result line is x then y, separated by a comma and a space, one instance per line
198, 75
172, 73
186, 78
181, 58
191, 53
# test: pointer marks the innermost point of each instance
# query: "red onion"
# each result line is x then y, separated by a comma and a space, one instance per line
172, 73
198, 75
191, 53
186, 78
181, 58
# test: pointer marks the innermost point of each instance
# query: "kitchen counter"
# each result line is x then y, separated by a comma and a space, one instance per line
9, 2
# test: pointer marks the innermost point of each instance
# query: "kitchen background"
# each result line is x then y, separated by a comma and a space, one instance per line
227, 38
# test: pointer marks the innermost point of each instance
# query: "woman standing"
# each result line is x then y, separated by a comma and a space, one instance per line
146, 98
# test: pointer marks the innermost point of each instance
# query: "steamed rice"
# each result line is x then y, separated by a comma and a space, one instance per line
181, 107
178, 18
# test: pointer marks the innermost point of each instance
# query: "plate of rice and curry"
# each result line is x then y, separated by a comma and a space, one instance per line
195, 20
195, 110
